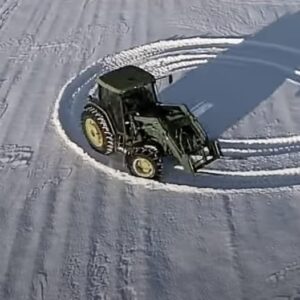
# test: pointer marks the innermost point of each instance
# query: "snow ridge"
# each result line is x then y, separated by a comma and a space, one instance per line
254, 173
289, 140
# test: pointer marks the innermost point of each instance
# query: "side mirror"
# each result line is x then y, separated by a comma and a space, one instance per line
170, 79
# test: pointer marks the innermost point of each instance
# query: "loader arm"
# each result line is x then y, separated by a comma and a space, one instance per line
180, 133
158, 132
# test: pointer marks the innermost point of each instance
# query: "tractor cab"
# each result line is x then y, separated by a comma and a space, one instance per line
123, 92
139, 100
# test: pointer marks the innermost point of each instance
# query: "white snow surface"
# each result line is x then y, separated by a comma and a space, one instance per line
75, 225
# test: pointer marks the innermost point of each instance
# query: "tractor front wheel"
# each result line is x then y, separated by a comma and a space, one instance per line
145, 162
97, 131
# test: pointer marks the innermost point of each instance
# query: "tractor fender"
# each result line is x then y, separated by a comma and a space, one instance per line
152, 143
103, 112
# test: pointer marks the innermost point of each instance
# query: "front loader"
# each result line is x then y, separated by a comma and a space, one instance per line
123, 114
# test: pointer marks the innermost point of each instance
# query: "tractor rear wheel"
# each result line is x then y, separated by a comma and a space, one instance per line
97, 130
145, 162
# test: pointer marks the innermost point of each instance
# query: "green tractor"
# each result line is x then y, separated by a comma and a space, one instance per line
123, 114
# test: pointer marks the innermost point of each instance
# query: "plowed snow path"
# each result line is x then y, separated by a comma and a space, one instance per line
165, 57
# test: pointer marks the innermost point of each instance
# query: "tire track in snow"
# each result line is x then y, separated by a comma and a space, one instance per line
39, 286
158, 62
54, 212
8, 66
142, 54
26, 239
159, 269
39, 139
3, 3
32, 238
259, 151
43, 31
123, 6
154, 57
76, 251
282, 274
88, 256
70, 283
233, 243
5, 13
19, 72
98, 273
58, 212
127, 241
154, 62
102, 245
262, 2
52, 235
11, 275
262, 150
254, 173
85, 7
20, 43
276, 141
15, 156
3, 108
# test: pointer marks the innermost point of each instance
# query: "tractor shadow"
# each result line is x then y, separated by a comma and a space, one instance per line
238, 80
234, 84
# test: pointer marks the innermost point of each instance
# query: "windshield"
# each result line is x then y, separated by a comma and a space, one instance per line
143, 93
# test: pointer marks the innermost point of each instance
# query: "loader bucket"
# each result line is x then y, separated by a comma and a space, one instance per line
205, 155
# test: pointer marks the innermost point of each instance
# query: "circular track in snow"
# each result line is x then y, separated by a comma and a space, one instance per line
162, 58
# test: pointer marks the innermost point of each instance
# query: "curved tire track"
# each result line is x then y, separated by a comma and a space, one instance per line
163, 57
3, 108
7, 11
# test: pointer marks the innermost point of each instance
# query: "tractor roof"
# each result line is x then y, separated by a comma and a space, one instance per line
125, 78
